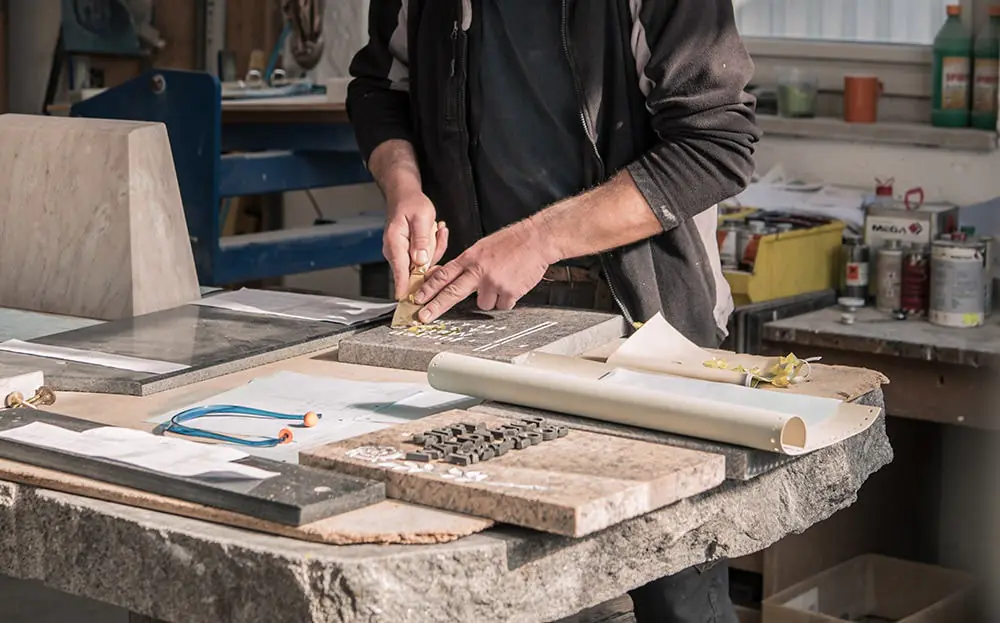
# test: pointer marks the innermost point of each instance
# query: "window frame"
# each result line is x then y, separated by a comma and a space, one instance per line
904, 69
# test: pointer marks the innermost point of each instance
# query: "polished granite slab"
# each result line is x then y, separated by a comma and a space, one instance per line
297, 496
498, 335
212, 341
23, 324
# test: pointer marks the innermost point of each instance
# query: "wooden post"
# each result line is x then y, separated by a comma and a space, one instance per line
4, 99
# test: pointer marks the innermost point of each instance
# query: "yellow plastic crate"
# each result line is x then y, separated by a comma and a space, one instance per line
790, 263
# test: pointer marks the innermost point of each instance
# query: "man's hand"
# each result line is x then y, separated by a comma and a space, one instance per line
501, 268
412, 239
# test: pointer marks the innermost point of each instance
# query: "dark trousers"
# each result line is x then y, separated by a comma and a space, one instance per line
699, 594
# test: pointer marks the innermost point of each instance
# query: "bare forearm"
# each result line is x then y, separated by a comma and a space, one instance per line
393, 164
611, 215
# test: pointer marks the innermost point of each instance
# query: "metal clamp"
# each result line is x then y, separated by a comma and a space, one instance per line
43, 397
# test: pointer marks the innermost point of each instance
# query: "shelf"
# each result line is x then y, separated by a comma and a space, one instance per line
913, 134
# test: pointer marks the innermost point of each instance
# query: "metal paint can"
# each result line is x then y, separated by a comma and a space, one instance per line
854, 269
915, 281
728, 237
888, 276
957, 284
747, 243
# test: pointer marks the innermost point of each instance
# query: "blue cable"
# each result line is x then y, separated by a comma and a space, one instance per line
284, 436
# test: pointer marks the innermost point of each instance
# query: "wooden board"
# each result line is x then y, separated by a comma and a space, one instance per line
92, 215
388, 522
574, 485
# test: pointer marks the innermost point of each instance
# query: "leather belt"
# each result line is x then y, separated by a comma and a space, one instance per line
570, 274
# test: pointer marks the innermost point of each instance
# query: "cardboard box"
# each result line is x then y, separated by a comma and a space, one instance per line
875, 589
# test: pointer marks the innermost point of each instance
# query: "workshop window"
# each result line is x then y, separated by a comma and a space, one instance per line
833, 38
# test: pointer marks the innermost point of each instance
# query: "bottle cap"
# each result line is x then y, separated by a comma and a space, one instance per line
954, 9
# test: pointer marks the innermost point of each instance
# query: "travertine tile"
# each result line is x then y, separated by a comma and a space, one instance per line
91, 217
573, 486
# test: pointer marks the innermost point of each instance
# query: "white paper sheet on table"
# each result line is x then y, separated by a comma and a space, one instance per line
108, 360
348, 409
298, 305
177, 457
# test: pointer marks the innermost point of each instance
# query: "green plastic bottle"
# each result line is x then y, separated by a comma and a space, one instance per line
987, 74
952, 72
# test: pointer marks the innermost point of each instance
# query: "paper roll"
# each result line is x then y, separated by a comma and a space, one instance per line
541, 388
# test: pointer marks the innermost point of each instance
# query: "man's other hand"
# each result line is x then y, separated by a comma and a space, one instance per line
412, 239
501, 268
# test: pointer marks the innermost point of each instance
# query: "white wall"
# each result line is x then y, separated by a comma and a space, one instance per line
961, 177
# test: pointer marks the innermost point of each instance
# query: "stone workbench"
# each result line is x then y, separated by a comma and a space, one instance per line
177, 569
931, 369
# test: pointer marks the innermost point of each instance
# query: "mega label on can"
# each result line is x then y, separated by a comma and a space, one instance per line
958, 275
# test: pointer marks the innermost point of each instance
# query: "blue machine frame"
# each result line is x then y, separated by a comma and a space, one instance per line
274, 158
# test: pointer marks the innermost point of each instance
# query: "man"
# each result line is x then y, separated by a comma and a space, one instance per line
551, 148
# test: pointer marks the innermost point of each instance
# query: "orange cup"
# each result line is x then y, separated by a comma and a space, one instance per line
861, 95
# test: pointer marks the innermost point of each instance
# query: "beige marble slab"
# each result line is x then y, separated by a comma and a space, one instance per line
573, 486
91, 216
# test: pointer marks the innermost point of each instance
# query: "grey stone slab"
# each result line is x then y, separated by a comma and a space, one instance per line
213, 342
499, 335
19, 324
873, 332
178, 569
297, 496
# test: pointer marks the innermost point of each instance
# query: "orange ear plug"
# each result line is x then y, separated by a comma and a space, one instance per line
310, 419
284, 435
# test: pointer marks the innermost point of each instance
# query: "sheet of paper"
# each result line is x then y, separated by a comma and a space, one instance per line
811, 409
658, 339
299, 306
778, 191
177, 457
108, 360
348, 409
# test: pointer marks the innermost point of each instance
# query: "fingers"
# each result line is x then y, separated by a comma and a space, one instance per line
441, 242
456, 290
436, 279
422, 238
396, 249
487, 299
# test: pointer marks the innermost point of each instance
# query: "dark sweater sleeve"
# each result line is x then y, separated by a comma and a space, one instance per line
378, 97
694, 78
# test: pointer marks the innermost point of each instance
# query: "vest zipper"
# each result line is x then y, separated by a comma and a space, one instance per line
564, 33
463, 120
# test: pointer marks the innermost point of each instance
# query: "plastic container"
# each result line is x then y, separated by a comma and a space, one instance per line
796, 93
987, 74
790, 263
952, 72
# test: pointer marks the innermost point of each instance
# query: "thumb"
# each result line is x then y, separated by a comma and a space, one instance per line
421, 238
